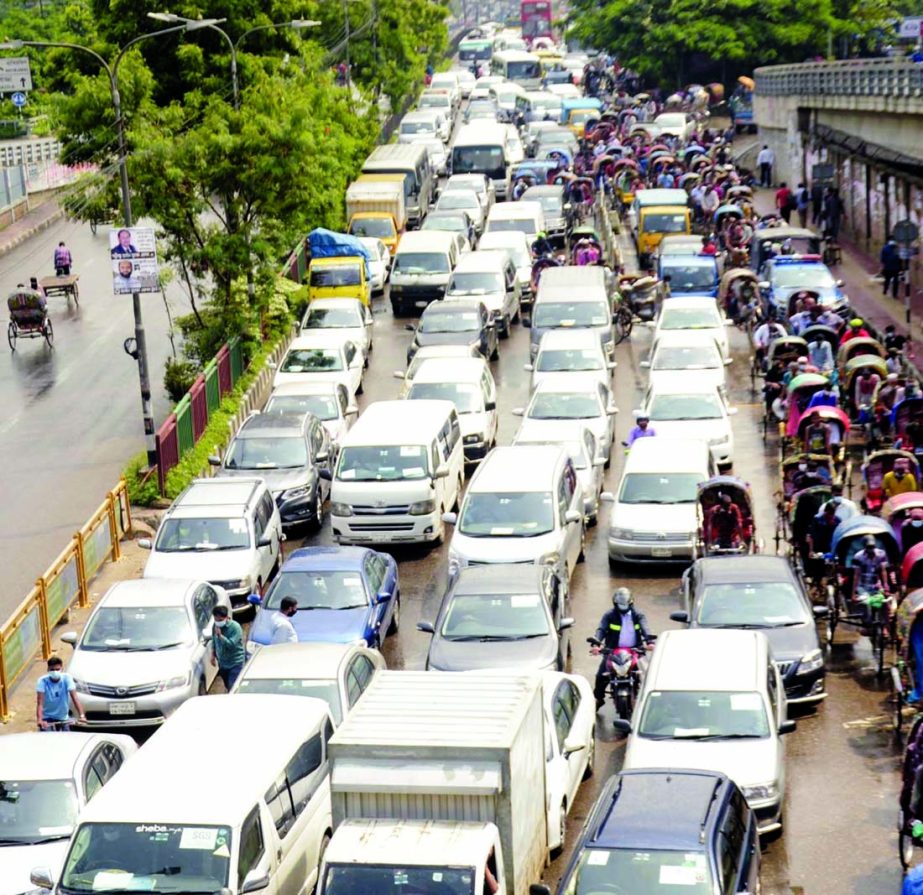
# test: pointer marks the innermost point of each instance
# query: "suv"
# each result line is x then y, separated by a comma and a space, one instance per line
664, 828
287, 450
224, 531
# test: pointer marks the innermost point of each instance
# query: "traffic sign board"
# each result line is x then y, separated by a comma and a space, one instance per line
15, 74
906, 232
19, 100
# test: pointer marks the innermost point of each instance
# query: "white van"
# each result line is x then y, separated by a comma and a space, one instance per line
526, 217
520, 248
400, 468
654, 512
166, 822
490, 277
423, 263
524, 504
480, 148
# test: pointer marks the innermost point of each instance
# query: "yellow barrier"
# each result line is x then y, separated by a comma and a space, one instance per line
28, 630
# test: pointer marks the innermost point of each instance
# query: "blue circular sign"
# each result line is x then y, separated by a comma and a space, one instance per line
19, 100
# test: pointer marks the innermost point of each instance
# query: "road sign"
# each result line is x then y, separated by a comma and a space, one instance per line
19, 100
911, 28
822, 175
15, 74
906, 232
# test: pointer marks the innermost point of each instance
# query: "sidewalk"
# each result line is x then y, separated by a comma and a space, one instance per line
39, 218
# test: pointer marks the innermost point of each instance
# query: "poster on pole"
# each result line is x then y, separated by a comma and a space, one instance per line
133, 251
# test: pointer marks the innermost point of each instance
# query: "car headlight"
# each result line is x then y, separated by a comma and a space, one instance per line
622, 534
473, 439
292, 493
761, 791
340, 509
173, 682
81, 686
811, 662
423, 507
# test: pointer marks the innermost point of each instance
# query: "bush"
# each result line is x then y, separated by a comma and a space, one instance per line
141, 493
178, 378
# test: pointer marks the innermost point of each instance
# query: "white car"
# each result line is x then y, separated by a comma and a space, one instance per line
344, 319
514, 149
317, 357
564, 353
338, 673
145, 650
380, 265
466, 81
565, 91
421, 125
696, 356
480, 184
46, 781
463, 200
443, 102
328, 401
683, 409
557, 406
437, 152
673, 124
447, 82
701, 315
520, 249
431, 352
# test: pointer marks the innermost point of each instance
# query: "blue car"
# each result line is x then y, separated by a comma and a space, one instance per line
345, 595
690, 274
653, 830
785, 275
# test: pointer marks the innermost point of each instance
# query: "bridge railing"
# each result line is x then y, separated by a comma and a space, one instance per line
848, 77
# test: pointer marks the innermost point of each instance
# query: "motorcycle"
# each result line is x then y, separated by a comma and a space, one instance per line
625, 671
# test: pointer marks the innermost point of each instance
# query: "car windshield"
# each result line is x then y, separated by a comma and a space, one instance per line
459, 199
187, 535
564, 406
475, 283
568, 360
772, 604
267, 453
312, 360
349, 879
435, 101
659, 487
495, 617
466, 397
388, 463
381, 228
682, 714
345, 317
137, 629
570, 314
685, 407
688, 318
450, 223
446, 319
482, 110
147, 858
336, 275
664, 222
324, 407
521, 70
489, 160
507, 514
418, 127
652, 871
552, 205
33, 811
518, 252
691, 278
816, 276
686, 357
319, 590
506, 225
295, 686
421, 262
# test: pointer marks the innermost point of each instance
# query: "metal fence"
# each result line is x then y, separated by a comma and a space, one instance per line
184, 427
849, 77
12, 185
65, 583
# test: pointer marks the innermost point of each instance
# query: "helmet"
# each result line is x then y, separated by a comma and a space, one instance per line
541, 235
621, 599
856, 322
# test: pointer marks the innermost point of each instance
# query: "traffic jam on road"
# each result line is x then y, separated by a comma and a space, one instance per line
566, 413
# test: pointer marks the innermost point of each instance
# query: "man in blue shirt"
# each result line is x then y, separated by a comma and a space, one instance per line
54, 692
641, 430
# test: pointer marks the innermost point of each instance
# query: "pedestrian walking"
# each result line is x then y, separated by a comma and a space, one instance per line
283, 631
891, 266
833, 213
802, 204
62, 260
785, 201
54, 694
765, 160
817, 203
227, 647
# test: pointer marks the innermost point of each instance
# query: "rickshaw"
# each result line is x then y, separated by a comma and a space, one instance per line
912, 568
741, 195
708, 539
876, 466
581, 194
640, 290
827, 334
727, 212
795, 479
875, 612
859, 346
28, 317
910, 830
838, 424
586, 247
799, 393
794, 528
896, 512
850, 374
907, 425
786, 349
739, 284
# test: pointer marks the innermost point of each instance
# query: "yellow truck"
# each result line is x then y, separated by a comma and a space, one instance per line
375, 207
338, 277
653, 223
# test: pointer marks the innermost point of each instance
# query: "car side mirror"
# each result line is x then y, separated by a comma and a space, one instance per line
490, 405
622, 726
399, 374
352, 409
450, 518
572, 516
257, 879
69, 637
764, 285
264, 542
527, 322
271, 364
326, 474
214, 460
145, 544
382, 596
607, 497
840, 283
41, 877
681, 617
409, 327
565, 623
441, 473
527, 367
728, 361
611, 410
519, 411
732, 411
322, 457
572, 746
426, 627
645, 365
599, 462
787, 726
611, 365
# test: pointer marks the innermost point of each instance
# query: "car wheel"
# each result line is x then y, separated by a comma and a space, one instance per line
318, 510
505, 332
562, 826
495, 354
590, 758
581, 557
395, 625
320, 858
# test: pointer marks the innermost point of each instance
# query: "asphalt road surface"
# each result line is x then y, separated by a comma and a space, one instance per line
71, 414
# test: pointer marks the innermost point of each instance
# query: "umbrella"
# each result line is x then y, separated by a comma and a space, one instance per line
749, 83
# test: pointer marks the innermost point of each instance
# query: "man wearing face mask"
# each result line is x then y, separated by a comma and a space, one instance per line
227, 647
912, 531
54, 692
899, 480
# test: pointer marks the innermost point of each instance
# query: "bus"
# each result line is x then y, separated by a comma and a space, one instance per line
521, 68
475, 50
535, 16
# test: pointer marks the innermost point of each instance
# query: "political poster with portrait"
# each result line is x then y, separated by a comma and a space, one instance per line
133, 251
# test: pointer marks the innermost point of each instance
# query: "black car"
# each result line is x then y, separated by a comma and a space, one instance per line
764, 593
503, 615
456, 322
656, 830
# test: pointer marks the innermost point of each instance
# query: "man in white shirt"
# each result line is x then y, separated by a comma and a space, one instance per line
766, 159
283, 631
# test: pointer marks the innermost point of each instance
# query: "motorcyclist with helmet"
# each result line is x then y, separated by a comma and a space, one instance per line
623, 626
542, 247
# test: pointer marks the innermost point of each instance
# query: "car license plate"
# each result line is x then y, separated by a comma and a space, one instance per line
661, 552
121, 708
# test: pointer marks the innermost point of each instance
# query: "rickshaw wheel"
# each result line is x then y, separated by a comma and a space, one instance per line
833, 613
904, 844
11, 335
48, 332
897, 688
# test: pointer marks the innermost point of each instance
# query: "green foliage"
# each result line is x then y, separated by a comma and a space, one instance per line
142, 492
178, 377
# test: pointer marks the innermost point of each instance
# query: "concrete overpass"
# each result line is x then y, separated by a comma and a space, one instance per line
862, 116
